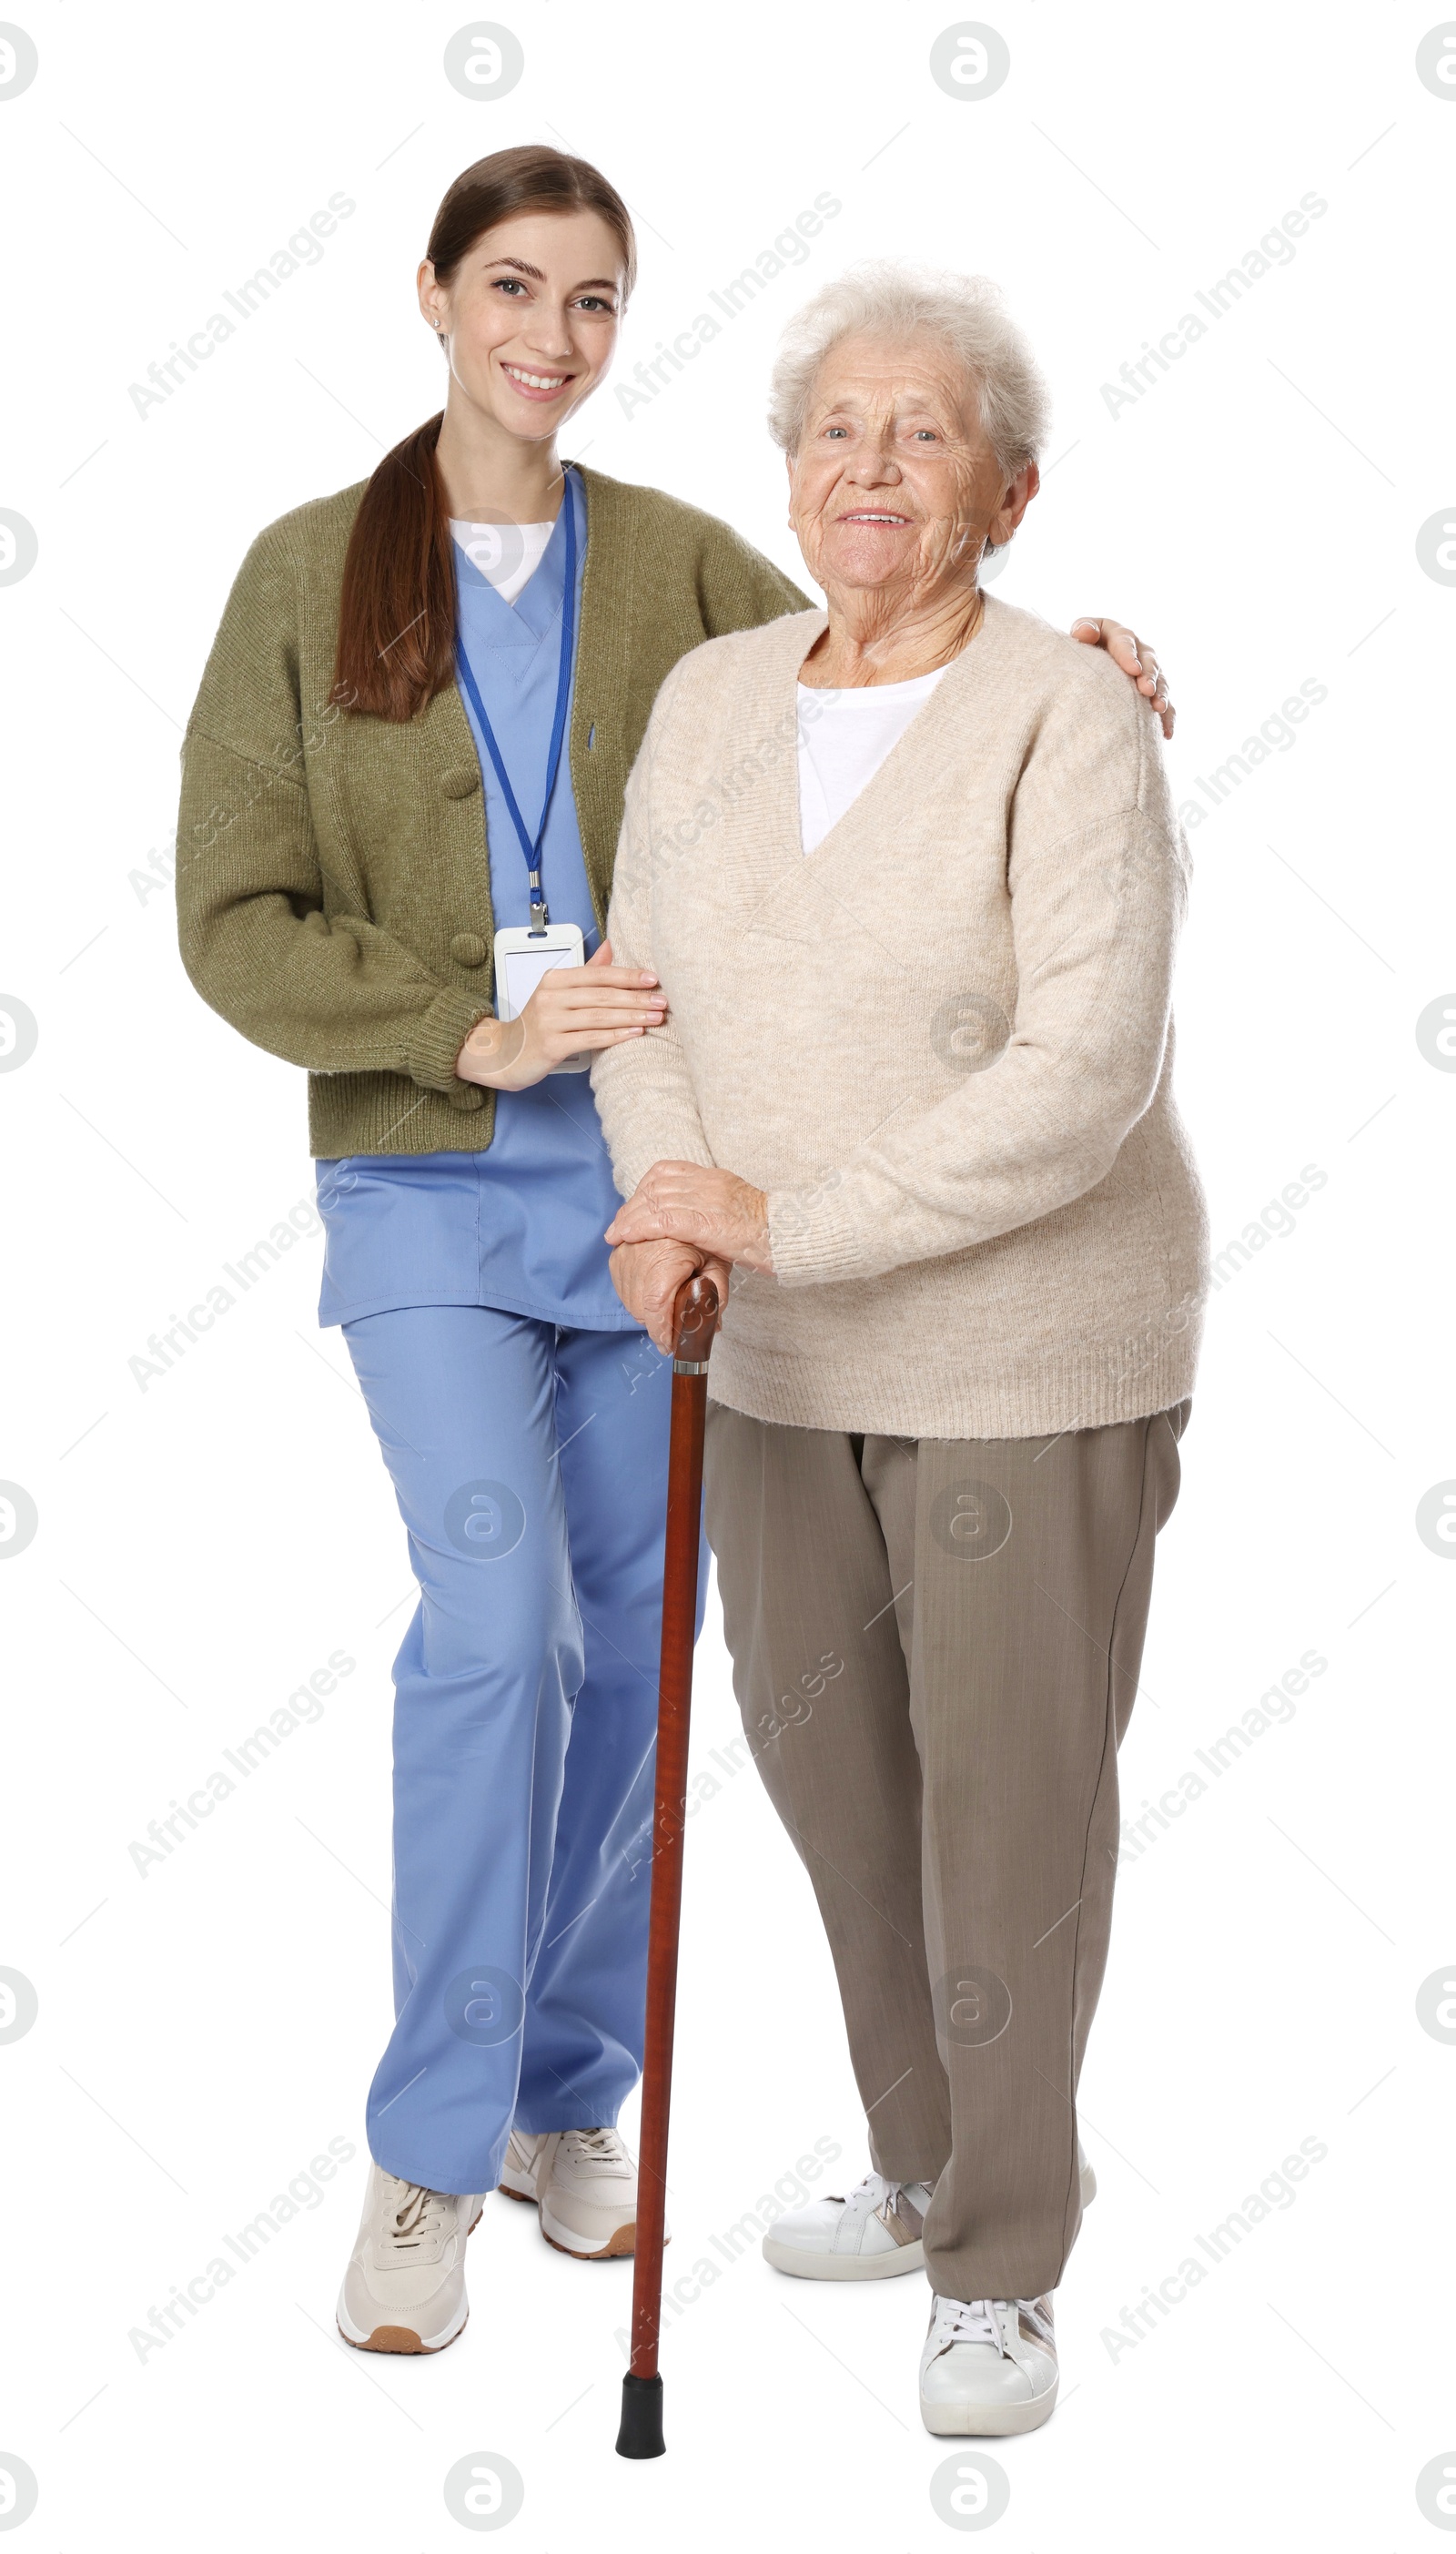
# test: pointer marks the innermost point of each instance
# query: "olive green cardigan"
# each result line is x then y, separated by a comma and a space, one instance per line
333, 878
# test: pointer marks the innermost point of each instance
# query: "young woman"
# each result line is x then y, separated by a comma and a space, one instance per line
415, 728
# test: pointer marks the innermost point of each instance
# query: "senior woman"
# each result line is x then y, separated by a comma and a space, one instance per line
910, 877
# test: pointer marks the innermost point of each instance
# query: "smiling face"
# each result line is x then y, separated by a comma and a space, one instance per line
894, 488
531, 318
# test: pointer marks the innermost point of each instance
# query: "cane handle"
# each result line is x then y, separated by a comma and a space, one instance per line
696, 1316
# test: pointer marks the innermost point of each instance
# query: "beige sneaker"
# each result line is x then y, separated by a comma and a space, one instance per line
585, 2183
404, 2287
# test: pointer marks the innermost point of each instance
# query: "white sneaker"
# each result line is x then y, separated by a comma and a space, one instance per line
585, 2183
988, 2369
871, 2233
404, 2286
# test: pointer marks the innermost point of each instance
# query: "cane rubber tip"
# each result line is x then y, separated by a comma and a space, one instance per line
640, 2434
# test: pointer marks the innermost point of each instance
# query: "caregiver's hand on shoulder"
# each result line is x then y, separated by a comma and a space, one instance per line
1137, 660
647, 1275
573, 1010
714, 1212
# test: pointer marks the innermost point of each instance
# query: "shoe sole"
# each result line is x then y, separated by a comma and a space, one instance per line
989, 2421
400, 2342
397, 2340
876, 2266
623, 2242
844, 2266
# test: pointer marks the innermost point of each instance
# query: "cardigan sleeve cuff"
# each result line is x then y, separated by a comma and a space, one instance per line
438, 1036
811, 1236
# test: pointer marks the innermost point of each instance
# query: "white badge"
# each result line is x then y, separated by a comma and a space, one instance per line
522, 958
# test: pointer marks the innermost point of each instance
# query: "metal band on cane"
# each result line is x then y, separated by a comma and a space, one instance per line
696, 1315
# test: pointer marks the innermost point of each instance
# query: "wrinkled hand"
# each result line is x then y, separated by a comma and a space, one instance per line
647, 1275
1136, 657
712, 1211
573, 1010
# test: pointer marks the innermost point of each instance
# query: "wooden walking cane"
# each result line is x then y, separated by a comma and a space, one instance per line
696, 1317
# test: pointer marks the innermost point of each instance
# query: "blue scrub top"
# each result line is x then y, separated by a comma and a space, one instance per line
520, 1225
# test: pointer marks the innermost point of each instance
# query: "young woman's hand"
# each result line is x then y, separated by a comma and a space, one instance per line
573, 1010
1137, 658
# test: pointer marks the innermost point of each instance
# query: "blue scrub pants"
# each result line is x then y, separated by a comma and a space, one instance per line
531, 1467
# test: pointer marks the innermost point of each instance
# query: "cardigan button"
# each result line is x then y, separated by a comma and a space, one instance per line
461, 781
468, 949
466, 1095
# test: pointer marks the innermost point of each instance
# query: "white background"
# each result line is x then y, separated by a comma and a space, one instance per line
205, 1542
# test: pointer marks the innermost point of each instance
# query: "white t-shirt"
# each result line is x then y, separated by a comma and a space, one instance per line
844, 738
507, 554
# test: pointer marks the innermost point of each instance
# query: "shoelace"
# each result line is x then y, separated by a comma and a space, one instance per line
975, 2319
420, 2215
966, 2319
874, 2191
596, 2147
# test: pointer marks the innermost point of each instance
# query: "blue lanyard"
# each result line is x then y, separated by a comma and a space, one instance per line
532, 849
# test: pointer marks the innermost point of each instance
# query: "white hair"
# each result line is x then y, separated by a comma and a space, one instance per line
886, 299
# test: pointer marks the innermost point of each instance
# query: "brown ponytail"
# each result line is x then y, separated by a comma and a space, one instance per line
397, 612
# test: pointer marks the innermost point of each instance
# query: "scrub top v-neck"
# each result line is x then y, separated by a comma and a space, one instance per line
520, 1225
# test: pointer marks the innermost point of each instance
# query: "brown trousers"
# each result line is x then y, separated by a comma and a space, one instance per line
935, 1649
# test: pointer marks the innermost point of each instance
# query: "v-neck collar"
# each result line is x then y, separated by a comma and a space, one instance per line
536, 612
782, 857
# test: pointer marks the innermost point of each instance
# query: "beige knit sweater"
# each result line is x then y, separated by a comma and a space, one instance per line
941, 1043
